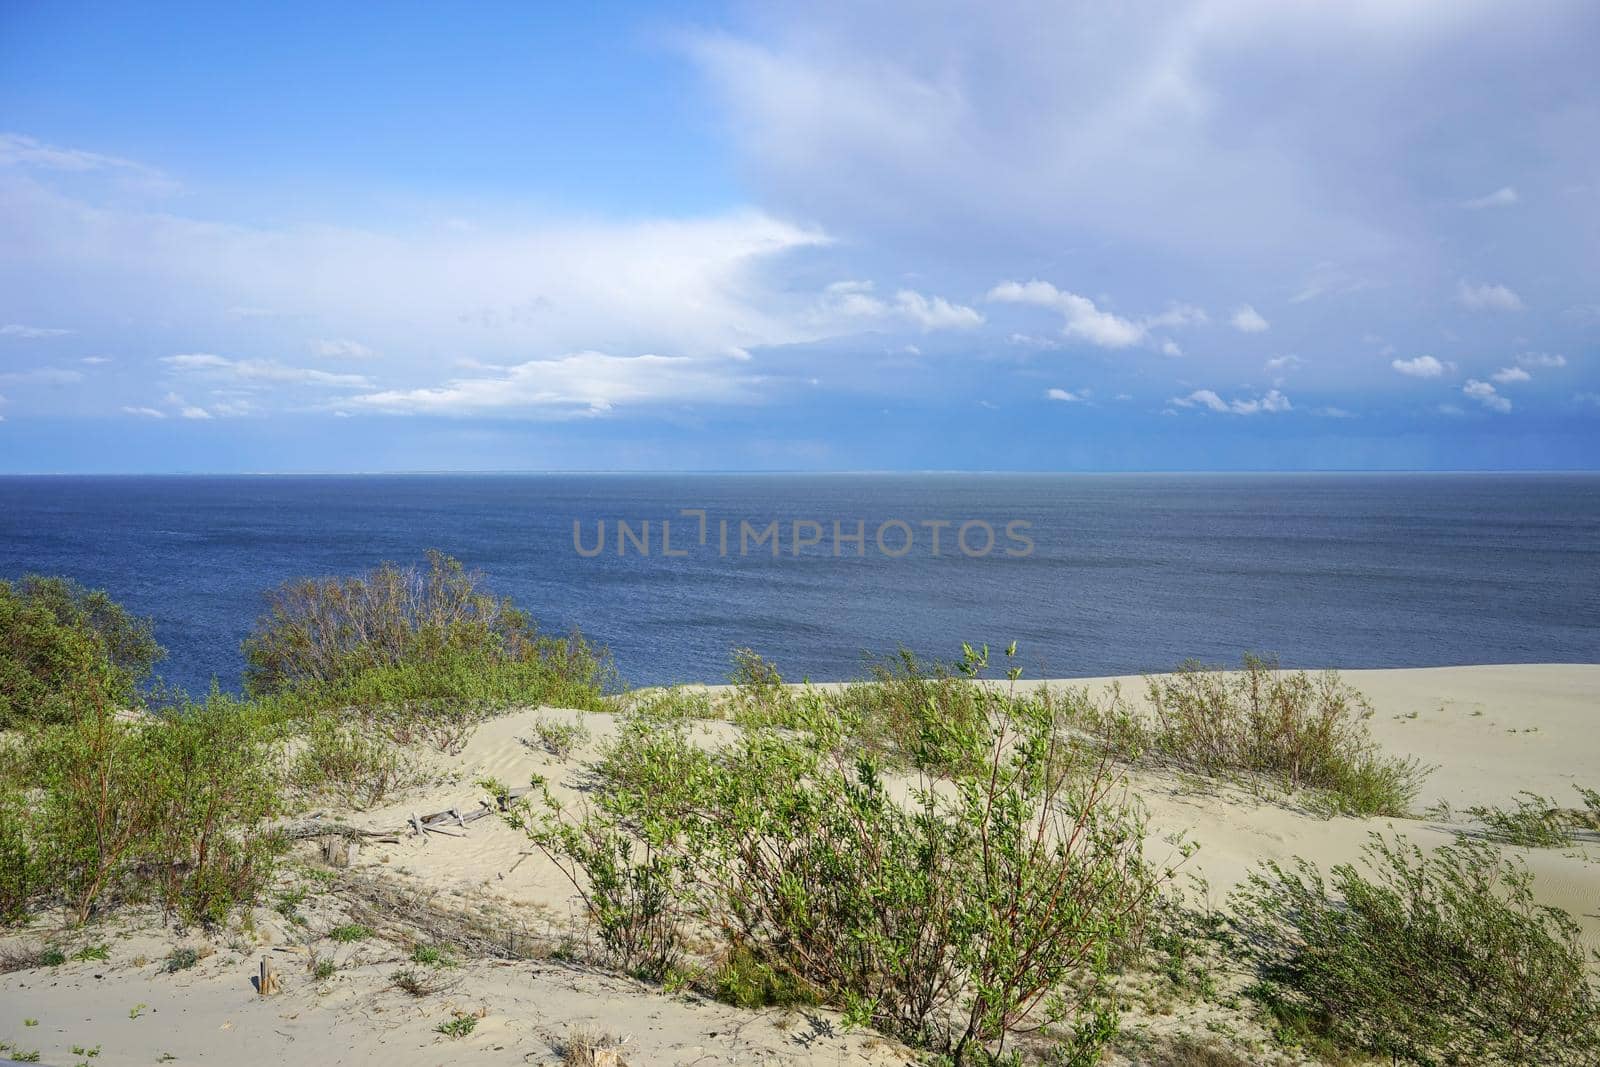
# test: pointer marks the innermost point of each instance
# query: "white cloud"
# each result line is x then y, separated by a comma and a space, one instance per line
583, 383
1485, 394
43, 376
935, 313
17, 329
1083, 320
95, 361
858, 300
1170, 347
1541, 359
1271, 402
1421, 367
1178, 315
1248, 320
19, 151
147, 413
262, 371
1502, 197
1063, 394
1331, 412
1277, 363
196, 413
341, 349
1507, 375
1487, 297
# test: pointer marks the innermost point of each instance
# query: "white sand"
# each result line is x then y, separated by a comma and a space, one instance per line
1491, 731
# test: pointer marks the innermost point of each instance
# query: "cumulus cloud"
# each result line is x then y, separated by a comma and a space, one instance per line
1487, 297
1170, 347
1084, 321
1248, 320
1502, 197
1272, 402
192, 412
1541, 359
1485, 394
580, 384
1063, 394
935, 313
17, 329
1278, 363
1507, 375
1421, 367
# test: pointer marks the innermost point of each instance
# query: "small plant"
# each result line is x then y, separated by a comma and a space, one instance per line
322, 968
93, 952
346, 756
1431, 958
25, 1057
431, 955
137, 1010
459, 1026
52, 957
1538, 821
30, 1022
180, 959
559, 738
417, 983
590, 1047
350, 932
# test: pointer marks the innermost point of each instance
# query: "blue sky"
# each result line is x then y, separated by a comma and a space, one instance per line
1224, 235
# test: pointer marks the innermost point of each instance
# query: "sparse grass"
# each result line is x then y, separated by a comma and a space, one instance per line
350, 932
1538, 821
558, 738
322, 968
1305, 732
1189, 1051
431, 955
27, 959
742, 978
591, 1047
92, 952
459, 1026
180, 959
1429, 958
416, 982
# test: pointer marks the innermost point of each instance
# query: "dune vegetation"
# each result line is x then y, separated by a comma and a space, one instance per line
941, 853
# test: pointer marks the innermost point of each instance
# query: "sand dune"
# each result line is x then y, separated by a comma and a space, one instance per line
1490, 732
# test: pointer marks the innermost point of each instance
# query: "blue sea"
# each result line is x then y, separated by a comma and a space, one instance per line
1098, 574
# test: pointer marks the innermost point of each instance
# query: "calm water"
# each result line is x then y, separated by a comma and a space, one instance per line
1129, 572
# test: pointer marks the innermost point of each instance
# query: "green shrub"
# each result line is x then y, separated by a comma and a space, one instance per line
459, 1026
344, 755
1429, 958
175, 806
401, 635
214, 791
1305, 732
1538, 821
54, 635
993, 896
21, 865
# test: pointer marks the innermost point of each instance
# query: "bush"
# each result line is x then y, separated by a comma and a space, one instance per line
214, 791
1538, 821
406, 634
54, 635
344, 755
991, 900
174, 806
559, 738
1306, 732
1430, 958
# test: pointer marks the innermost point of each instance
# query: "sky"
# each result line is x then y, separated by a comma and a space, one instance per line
1225, 235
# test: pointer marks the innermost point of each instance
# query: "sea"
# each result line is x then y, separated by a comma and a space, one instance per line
1088, 574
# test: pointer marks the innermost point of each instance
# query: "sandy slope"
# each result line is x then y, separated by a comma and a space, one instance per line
1492, 731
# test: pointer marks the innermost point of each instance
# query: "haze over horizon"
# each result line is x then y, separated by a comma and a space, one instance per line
1205, 236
